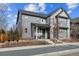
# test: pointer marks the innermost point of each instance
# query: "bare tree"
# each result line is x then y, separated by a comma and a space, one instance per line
75, 31
55, 29
3, 23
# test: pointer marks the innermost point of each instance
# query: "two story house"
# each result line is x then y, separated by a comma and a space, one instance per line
43, 26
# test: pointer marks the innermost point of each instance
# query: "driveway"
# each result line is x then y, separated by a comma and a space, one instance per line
35, 51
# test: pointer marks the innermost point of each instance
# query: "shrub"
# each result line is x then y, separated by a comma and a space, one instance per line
13, 35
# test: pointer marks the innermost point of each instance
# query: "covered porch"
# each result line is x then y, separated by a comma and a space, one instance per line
40, 31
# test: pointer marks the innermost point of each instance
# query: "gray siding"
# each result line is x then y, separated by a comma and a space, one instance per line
48, 20
53, 22
26, 23
19, 25
26, 20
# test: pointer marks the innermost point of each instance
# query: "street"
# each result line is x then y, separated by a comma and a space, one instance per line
35, 51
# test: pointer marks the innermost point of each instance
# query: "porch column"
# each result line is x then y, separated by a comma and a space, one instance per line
68, 29
36, 32
45, 34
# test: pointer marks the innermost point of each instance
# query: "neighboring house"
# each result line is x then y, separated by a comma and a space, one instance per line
41, 26
74, 24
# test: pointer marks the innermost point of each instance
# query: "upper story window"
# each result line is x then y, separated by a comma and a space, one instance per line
43, 21
26, 30
63, 22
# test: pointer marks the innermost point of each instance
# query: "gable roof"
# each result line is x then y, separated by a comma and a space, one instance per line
39, 14
33, 13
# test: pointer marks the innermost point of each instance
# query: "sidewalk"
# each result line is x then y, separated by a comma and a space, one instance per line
41, 50
23, 47
38, 46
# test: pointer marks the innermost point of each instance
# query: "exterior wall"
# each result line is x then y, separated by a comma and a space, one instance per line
26, 20
51, 25
19, 24
65, 23
63, 34
63, 13
53, 22
26, 23
48, 20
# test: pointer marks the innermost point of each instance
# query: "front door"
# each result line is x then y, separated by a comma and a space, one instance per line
41, 33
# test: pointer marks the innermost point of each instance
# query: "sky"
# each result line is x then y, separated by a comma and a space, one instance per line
71, 8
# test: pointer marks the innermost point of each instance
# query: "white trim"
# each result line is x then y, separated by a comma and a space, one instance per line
36, 32
45, 34
68, 28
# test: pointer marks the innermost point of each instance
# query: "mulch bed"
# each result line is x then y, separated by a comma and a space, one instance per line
23, 43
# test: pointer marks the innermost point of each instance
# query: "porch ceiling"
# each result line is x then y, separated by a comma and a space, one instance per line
41, 25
